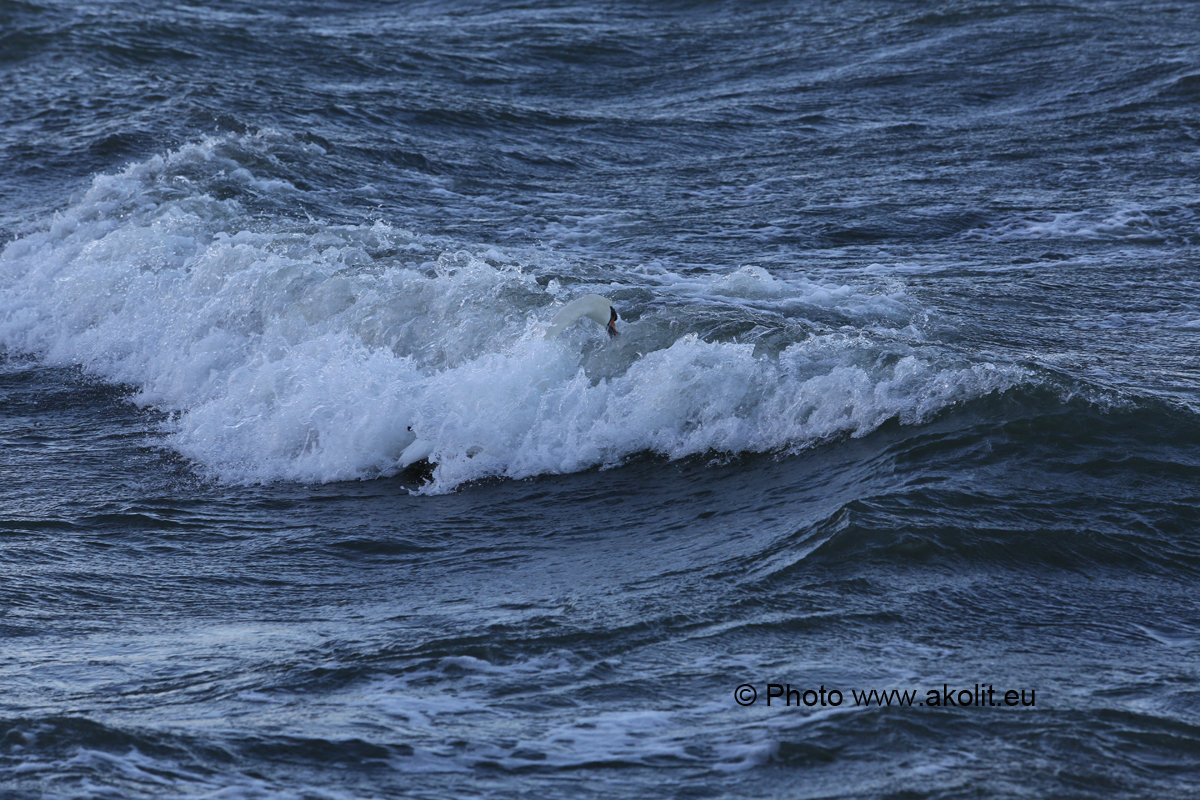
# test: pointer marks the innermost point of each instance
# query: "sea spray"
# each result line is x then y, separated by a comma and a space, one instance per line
290, 349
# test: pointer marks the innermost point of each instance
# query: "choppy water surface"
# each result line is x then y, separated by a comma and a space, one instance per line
905, 399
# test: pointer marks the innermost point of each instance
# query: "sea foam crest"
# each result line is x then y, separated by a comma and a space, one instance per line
290, 350
1133, 225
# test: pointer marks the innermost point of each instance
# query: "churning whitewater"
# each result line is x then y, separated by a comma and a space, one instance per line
323, 478
293, 349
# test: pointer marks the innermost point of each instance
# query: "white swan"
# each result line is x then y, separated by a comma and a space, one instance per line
418, 450
592, 306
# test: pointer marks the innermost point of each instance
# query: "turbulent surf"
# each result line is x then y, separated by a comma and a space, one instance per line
320, 480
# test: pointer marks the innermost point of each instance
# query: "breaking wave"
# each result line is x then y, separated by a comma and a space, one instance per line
285, 348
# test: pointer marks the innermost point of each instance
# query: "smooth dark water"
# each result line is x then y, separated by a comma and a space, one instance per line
905, 398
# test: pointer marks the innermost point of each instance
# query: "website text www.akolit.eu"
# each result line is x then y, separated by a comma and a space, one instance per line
980, 695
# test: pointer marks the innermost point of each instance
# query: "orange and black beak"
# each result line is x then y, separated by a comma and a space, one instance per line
612, 322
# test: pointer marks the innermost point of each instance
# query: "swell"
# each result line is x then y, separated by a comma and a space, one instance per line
69, 753
1023, 481
305, 351
64, 753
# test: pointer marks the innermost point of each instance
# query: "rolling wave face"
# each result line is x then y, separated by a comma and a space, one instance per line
289, 349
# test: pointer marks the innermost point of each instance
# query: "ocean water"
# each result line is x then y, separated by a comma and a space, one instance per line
887, 488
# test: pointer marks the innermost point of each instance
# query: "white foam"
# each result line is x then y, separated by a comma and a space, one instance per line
291, 350
753, 286
705, 729
1131, 224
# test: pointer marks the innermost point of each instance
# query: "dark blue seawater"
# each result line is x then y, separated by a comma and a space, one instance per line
906, 399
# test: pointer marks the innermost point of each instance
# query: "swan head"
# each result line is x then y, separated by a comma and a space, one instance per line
610, 324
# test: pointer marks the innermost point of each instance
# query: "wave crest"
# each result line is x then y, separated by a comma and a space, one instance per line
288, 349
